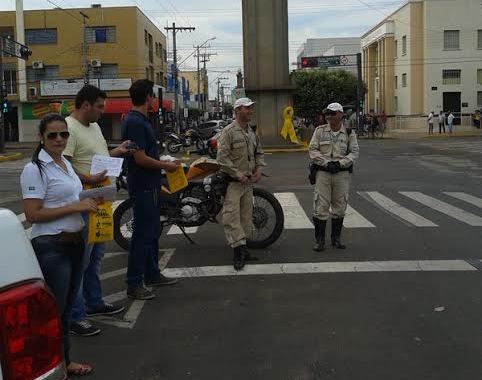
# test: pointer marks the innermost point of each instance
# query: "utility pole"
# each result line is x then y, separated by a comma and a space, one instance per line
3, 96
174, 30
198, 82
206, 57
219, 91
359, 89
85, 64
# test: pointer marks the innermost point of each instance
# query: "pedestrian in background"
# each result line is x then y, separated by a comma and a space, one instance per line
450, 122
241, 157
50, 190
86, 140
333, 149
441, 122
144, 184
430, 123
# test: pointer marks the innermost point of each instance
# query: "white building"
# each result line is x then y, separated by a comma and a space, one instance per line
426, 56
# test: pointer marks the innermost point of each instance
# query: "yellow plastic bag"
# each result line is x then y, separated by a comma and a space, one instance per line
177, 180
101, 223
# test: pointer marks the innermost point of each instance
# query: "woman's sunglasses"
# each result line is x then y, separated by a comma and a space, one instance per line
53, 135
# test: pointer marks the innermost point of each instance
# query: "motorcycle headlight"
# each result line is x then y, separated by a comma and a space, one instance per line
207, 181
207, 188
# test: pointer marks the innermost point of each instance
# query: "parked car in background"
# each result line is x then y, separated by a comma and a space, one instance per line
209, 128
31, 331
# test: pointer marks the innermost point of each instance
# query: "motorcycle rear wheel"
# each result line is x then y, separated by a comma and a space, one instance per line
173, 146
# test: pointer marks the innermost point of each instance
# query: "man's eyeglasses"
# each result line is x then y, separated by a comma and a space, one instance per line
53, 135
330, 113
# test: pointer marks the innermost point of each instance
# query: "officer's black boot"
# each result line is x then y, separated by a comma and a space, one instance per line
336, 226
247, 255
238, 258
320, 227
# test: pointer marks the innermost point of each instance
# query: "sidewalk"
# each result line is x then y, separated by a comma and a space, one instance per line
460, 131
17, 150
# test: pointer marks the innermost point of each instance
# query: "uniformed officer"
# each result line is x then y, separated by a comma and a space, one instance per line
333, 149
241, 157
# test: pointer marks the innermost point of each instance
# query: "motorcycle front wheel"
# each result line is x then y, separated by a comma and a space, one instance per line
268, 220
124, 224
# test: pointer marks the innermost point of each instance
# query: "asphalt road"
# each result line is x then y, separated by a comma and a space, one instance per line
402, 302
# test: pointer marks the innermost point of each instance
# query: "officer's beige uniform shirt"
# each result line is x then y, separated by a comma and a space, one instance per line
83, 143
331, 190
239, 153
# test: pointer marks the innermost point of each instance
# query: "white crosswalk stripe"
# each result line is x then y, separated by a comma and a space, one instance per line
295, 216
445, 208
175, 230
397, 210
353, 219
466, 198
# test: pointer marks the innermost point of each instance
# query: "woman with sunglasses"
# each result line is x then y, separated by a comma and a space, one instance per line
51, 191
333, 150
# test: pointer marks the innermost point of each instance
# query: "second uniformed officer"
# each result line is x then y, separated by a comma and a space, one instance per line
241, 157
333, 150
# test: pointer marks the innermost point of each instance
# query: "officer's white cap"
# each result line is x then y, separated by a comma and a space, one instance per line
243, 102
335, 107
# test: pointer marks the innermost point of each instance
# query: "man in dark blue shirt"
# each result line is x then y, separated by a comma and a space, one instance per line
144, 181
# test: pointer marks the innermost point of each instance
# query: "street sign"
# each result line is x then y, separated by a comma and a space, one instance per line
323, 61
14, 49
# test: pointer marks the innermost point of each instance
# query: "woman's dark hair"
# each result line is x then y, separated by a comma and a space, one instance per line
42, 127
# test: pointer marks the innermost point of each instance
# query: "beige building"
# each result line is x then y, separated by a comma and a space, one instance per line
192, 78
425, 57
115, 47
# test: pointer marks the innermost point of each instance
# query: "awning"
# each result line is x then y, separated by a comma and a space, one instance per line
123, 105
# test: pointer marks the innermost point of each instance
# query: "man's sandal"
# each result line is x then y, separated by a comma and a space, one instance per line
80, 370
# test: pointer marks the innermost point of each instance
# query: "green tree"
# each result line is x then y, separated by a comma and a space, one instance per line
318, 88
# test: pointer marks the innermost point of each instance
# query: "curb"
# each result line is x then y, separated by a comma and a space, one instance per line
10, 157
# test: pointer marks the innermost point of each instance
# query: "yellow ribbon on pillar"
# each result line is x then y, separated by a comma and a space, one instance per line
288, 127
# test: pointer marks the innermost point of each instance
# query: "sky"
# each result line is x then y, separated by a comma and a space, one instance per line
222, 19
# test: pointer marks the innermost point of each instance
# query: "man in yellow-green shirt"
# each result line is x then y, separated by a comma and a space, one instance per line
85, 141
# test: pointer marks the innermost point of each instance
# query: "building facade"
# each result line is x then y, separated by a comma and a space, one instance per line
426, 56
108, 47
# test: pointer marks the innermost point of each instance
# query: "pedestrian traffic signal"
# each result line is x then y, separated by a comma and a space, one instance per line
5, 106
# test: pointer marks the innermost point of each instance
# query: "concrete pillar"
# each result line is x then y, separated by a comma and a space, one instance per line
266, 64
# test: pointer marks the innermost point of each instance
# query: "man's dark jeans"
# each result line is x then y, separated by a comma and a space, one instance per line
143, 263
61, 265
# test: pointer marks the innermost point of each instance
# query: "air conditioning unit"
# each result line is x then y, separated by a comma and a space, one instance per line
32, 92
95, 63
37, 64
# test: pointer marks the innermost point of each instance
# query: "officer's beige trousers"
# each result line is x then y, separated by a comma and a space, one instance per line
331, 190
238, 213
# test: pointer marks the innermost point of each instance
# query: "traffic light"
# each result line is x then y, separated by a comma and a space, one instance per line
361, 104
25, 52
309, 62
5, 106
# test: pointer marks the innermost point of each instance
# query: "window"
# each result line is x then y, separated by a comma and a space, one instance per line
106, 71
396, 49
404, 45
41, 36
145, 37
479, 99
451, 76
396, 82
479, 76
158, 78
404, 80
151, 51
164, 51
479, 39
157, 50
100, 34
451, 39
395, 104
10, 77
47, 73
